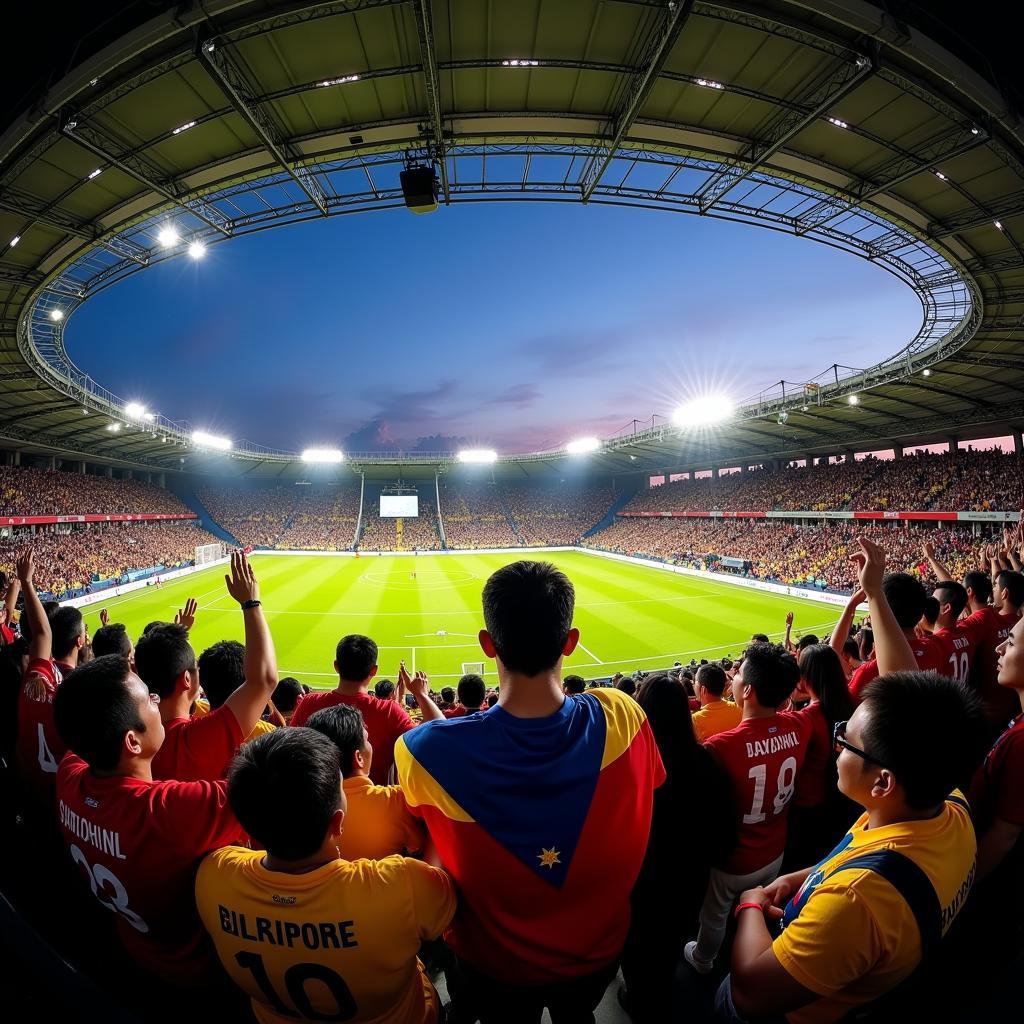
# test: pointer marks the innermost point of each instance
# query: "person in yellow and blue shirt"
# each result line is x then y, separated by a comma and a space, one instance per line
540, 809
860, 922
306, 934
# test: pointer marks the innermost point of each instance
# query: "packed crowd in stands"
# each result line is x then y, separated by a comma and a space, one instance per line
812, 554
558, 514
322, 519
967, 481
250, 841
43, 492
475, 517
72, 560
417, 533
255, 518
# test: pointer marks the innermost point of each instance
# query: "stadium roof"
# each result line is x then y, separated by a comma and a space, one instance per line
831, 120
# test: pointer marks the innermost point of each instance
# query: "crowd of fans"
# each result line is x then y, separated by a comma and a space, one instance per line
25, 491
475, 516
558, 514
962, 482
322, 519
307, 851
812, 554
73, 559
418, 533
255, 518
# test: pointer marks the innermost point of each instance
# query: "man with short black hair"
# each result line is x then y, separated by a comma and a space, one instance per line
574, 684
471, 692
275, 916
716, 715
69, 637
113, 639
287, 695
137, 840
200, 747
379, 823
555, 835
355, 661
385, 689
222, 671
762, 757
447, 698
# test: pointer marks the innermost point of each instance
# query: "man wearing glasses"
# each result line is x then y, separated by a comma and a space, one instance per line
860, 922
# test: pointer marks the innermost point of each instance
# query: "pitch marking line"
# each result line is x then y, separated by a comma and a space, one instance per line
591, 653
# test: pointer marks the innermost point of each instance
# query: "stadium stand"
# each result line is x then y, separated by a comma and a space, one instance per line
559, 514
322, 519
475, 516
418, 533
257, 518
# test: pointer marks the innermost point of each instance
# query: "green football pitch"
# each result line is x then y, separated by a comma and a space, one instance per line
629, 616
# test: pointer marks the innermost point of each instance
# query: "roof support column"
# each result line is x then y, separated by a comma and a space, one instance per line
1018, 444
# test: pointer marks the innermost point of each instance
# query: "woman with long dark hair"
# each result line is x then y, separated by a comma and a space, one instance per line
820, 814
692, 828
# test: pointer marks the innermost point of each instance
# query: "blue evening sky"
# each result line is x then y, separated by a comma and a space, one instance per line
519, 325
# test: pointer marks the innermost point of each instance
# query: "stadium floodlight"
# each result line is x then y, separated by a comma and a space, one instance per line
201, 439
56, 315
168, 237
478, 455
94, 174
854, 399
998, 224
705, 411
926, 373
135, 410
183, 127
114, 427
941, 176
519, 62
837, 122
14, 241
149, 416
322, 455
197, 250
710, 83
583, 445
337, 81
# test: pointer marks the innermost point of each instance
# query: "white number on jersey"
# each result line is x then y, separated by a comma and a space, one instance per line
99, 877
783, 790
961, 666
47, 763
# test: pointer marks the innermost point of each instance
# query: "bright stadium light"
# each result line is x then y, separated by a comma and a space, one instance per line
183, 128
839, 123
710, 83
94, 174
168, 237
197, 250
327, 82
854, 399
114, 427
703, 412
478, 455
583, 445
14, 241
204, 440
322, 455
519, 62
998, 224
56, 315
926, 373
135, 410
149, 416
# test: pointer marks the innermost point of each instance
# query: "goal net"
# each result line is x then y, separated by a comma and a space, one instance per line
206, 553
473, 667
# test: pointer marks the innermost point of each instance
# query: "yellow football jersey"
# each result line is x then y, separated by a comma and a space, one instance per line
855, 937
378, 822
337, 943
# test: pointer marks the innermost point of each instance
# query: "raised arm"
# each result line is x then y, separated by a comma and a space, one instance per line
891, 647
249, 700
11, 598
841, 630
787, 642
941, 572
41, 645
419, 687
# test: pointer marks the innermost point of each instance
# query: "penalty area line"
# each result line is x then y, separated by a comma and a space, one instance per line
591, 653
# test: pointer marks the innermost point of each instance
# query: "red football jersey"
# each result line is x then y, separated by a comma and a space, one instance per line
996, 791
931, 656
139, 844
763, 758
39, 748
988, 628
201, 748
385, 721
958, 650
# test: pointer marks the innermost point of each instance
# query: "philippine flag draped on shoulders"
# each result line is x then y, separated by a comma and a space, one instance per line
543, 824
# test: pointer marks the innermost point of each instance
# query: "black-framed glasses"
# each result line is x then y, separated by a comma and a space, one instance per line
840, 743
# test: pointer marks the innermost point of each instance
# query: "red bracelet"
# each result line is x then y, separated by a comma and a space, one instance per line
747, 906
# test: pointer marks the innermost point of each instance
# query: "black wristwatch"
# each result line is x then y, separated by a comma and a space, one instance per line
251, 604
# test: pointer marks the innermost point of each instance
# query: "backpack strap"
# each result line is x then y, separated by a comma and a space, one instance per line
913, 885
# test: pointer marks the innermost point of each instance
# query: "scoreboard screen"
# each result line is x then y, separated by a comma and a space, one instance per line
399, 506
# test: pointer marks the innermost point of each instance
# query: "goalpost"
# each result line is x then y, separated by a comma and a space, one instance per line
474, 668
206, 553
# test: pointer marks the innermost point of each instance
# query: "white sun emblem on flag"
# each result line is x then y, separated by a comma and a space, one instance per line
548, 858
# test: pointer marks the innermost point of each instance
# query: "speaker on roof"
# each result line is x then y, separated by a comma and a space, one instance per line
419, 187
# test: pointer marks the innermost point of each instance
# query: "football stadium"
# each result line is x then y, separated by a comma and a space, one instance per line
360, 664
